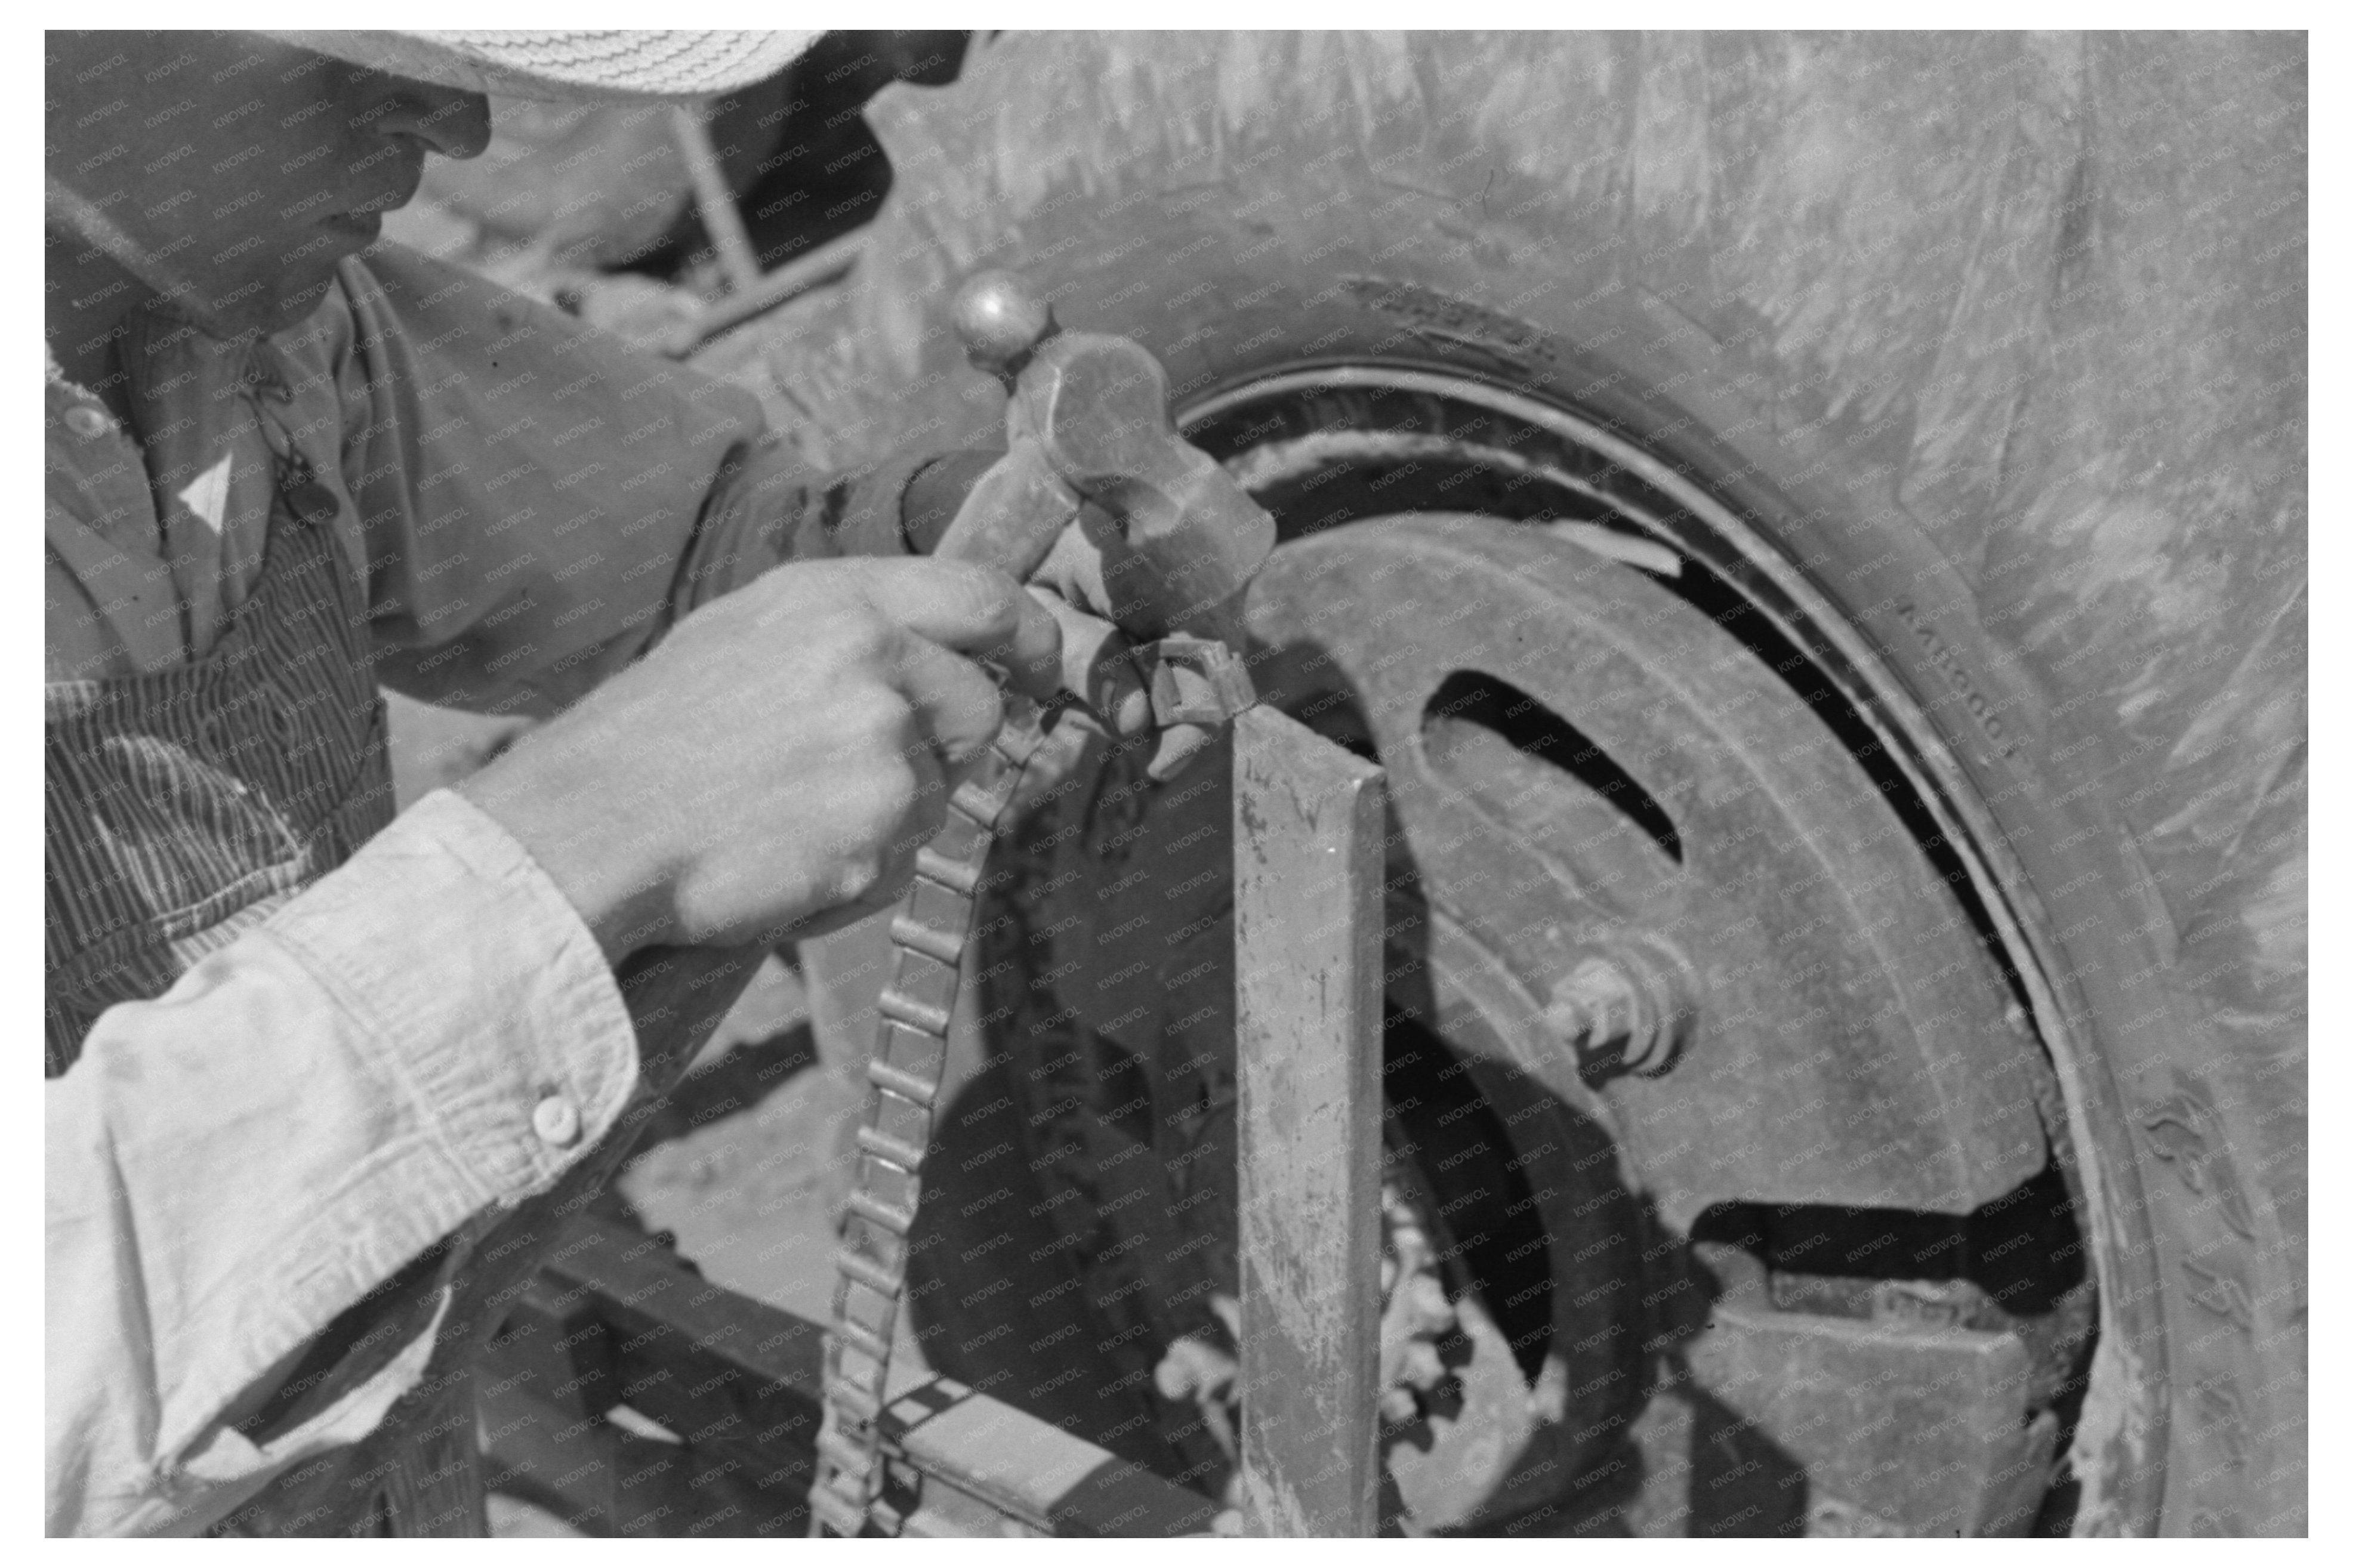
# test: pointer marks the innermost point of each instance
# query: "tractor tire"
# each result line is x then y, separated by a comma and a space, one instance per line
1937, 398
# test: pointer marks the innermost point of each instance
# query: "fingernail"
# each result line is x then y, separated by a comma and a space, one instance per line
1180, 745
1167, 764
1133, 713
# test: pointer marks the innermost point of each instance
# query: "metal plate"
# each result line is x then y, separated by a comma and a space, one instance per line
1577, 756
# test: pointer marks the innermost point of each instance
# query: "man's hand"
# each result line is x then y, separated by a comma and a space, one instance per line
772, 768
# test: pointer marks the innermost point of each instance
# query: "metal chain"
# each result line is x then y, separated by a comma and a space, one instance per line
928, 936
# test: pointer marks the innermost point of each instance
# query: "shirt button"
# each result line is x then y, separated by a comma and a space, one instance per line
87, 422
557, 1119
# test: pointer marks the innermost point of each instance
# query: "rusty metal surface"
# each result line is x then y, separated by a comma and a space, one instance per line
1838, 988
1889, 1431
1307, 837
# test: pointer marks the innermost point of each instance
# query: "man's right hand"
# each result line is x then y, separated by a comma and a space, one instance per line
771, 769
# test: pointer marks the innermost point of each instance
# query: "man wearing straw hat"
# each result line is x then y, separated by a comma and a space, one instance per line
320, 1083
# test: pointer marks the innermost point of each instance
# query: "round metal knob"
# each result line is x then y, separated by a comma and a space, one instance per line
1000, 319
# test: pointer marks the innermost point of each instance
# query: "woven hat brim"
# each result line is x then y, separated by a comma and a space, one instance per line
584, 63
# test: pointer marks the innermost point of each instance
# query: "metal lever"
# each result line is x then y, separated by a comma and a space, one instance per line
1309, 822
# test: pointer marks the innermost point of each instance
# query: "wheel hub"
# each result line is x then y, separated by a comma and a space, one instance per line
1657, 840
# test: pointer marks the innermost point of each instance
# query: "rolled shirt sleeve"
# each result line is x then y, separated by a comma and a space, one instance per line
426, 1034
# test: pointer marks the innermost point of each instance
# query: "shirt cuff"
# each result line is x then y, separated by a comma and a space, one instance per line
427, 1033
484, 994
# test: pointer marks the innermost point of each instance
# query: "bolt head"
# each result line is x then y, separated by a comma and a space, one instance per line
1604, 1003
1593, 1005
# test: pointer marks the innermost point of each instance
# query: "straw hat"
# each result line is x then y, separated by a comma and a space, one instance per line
584, 63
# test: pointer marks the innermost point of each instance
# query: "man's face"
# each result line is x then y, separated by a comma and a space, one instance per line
243, 167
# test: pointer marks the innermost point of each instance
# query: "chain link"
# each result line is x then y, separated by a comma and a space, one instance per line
928, 936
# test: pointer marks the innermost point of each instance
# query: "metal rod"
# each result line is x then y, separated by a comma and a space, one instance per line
795, 278
714, 200
1308, 826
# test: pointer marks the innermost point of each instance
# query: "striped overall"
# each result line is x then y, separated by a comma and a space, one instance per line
184, 806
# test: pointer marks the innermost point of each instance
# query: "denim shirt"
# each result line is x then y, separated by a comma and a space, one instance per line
424, 1036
